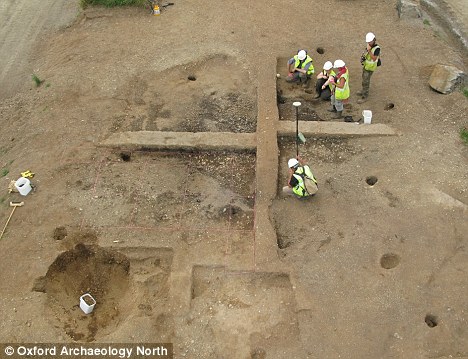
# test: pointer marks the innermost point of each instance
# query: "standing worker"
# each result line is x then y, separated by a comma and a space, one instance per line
340, 88
370, 59
300, 68
301, 181
323, 86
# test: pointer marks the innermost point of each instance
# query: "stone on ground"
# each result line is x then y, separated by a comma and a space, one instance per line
408, 9
445, 78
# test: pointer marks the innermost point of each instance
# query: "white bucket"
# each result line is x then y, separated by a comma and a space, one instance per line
367, 116
85, 307
23, 185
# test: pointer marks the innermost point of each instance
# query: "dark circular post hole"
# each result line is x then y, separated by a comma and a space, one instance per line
389, 260
371, 180
126, 156
431, 320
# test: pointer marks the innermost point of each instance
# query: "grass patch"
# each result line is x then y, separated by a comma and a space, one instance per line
37, 80
464, 135
465, 92
112, 3
426, 22
5, 171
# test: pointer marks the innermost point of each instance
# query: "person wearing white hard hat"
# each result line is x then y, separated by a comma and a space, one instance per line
323, 86
301, 181
370, 60
340, 88
300, 68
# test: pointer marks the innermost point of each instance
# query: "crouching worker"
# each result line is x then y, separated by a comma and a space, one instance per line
301, 181
300, 68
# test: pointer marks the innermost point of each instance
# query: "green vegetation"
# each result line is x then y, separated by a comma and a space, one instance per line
426, 22
112, 3
37, 80
5, 171
464, 135
465, 92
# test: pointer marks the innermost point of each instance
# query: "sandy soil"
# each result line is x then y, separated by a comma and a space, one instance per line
359, 271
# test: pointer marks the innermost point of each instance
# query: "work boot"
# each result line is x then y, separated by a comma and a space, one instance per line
359, 93
333, 109
305, 84
338, 114
362, 100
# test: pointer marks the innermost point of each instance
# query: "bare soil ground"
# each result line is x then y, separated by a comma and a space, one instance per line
362, 270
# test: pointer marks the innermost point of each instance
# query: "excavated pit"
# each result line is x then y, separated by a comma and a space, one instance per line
84, 269
389, 260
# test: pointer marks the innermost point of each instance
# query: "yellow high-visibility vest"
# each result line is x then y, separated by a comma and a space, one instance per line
308, 59
299, 189
369, 64
343, 93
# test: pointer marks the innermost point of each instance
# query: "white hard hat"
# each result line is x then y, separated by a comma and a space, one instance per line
292, 162
327, 65
370, 36
338, 64
302, 55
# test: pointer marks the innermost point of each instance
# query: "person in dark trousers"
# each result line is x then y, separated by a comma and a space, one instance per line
323, 86
370, 60
300, 68
301, 181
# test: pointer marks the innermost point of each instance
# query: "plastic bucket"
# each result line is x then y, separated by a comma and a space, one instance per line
87, 303
367, 116
23, 185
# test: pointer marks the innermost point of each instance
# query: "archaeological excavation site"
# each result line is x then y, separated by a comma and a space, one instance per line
144, 158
